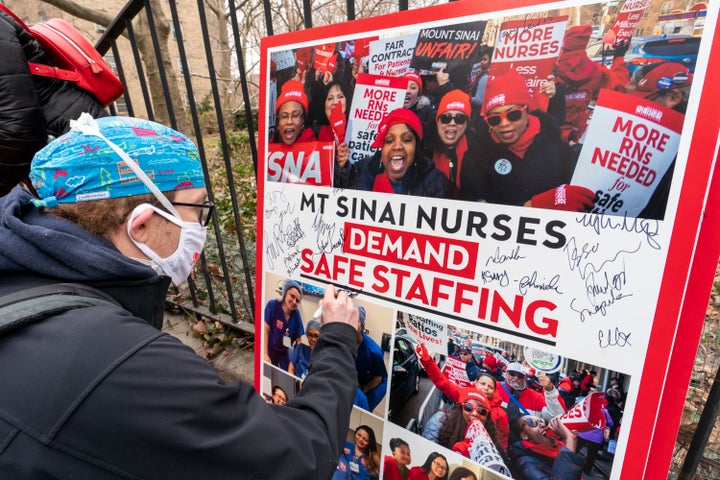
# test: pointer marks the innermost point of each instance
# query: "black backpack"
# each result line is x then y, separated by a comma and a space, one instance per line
37, 303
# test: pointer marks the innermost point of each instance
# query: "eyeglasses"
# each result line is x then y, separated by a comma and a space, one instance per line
534, 422
312, 335
446, 118
440, 465
205, 210
514, 374
511, 115
470, 408
294, 116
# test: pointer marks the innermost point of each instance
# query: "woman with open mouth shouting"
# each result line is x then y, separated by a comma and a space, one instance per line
399, 166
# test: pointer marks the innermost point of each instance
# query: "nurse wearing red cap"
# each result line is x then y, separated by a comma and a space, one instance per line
448, 427
667, 84
291, 110
451, 125
399, 166
416, 102
523, 161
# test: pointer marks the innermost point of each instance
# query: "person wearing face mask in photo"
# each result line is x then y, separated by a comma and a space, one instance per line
91, 387
300, 356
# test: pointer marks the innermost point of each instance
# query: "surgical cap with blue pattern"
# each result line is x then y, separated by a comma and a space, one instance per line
87, 163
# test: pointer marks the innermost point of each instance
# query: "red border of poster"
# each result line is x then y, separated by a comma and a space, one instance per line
691, 254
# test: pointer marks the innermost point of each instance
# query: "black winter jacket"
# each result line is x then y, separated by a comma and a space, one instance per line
32, 107
100, 393
421, 179
548, 163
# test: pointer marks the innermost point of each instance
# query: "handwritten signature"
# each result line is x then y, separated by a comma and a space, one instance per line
603, 288
281, 236
327, 239
599, 221
274, 197
578, 257
604, 284
502, 278
531, 281
600, 307
498, 257
292, 260
613, 338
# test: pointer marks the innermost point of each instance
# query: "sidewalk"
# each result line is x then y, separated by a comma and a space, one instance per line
232, 364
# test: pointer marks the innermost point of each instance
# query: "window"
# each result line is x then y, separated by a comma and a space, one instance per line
666, 8
174, 33
180, 66
121, 106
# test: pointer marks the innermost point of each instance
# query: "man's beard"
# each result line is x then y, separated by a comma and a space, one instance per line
516, 384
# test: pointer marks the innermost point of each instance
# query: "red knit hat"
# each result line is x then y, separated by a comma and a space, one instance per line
507, 89
576, 38
472, 393
414, 77
659, 77
292, 90
400, 115
454, 100
490, 360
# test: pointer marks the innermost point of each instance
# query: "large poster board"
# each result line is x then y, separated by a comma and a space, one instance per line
619, 290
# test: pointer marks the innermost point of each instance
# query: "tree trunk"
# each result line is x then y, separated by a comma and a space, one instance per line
146, 52
152, 71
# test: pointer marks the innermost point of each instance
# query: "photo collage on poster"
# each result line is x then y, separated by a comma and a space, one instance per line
497, 192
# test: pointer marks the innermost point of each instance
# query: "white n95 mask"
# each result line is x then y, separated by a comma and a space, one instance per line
192, 240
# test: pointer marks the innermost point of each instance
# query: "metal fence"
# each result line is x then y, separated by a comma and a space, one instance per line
223, 288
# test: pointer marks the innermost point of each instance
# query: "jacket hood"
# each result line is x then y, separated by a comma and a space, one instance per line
37, 244
33, 241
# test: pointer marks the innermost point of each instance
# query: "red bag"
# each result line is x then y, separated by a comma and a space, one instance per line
76, 59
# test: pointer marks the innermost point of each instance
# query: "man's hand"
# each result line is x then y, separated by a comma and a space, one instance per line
546, 382
338, 307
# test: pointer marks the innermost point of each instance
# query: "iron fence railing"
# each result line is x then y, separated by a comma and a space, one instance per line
223, 288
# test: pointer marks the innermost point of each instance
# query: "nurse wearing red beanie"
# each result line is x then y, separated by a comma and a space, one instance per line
399, 166
524, 161
291, 109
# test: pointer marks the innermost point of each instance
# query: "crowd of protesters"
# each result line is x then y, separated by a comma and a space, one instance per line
489, 141
521, 411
